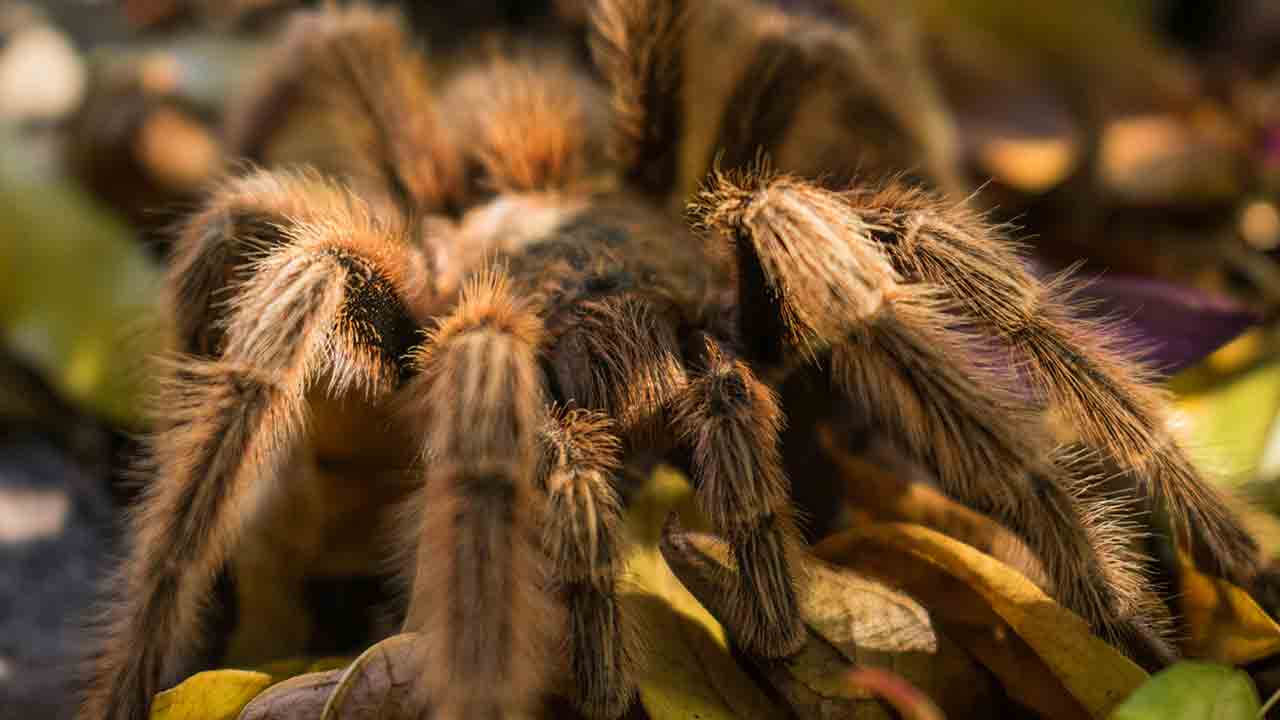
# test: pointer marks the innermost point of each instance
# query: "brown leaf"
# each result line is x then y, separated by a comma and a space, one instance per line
377, 684
884, 488
1044, 655
853, 621
298, 697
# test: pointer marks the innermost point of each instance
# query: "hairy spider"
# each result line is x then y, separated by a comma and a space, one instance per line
576, 325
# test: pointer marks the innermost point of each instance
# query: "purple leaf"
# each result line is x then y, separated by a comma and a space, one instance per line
1170, 326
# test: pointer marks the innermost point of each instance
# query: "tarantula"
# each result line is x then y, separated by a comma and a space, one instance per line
495, 307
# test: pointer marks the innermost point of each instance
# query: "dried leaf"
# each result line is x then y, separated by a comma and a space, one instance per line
854, 622
377, 683
1193, 691
1044, 655
689, 671
880, 488
298, 697
1224, 624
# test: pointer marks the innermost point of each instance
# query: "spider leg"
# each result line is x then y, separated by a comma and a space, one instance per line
244, 219
358, 66
819, 98
317, 305
529, 126
732, 422
619, 355
1106, 396
622, 356
638, 46
582, 538
807, 266
478, 594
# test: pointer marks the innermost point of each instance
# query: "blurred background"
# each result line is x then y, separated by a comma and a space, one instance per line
1137, 141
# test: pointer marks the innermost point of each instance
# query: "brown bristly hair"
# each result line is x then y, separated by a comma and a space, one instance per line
622, 357
227, 424
1074, 362
896, 353
479, 402
584, 541
731, 422
529, 123
637, 46
357, 63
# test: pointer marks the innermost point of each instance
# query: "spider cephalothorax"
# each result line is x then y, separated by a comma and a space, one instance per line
491, 311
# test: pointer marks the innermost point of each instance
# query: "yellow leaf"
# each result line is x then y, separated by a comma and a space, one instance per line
217, 694
878, 492
689, 671
854, 623
212, 695
1044, 655
1224, 624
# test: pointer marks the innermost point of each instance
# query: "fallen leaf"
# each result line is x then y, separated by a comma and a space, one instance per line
1193, 691
217, 694
298, 697
1044, 655
212, 695
1224, 624
688, 670
854, 622
377, 683
880, 488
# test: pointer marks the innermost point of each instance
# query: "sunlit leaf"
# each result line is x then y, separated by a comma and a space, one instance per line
1230, 421
854, 622
1193, 691
1224, 624
689, 671
217, 694
879, 493
1044, 655
213, 695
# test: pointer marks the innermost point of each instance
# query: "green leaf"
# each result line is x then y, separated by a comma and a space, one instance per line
1193, 691
1230, 420
79, 298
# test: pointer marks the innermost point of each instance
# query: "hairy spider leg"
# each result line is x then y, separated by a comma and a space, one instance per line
318, 304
